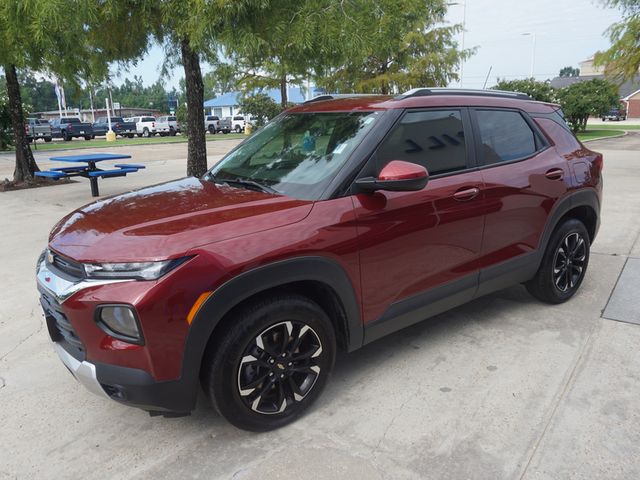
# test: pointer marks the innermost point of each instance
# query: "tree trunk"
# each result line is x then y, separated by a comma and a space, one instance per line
283, 91
25, 163
196, 146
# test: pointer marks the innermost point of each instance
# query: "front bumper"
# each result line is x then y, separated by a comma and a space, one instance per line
129, 386
83, 371
124, 384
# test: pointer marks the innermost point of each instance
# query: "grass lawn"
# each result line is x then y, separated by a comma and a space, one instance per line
614, 126
102, 143
599, 133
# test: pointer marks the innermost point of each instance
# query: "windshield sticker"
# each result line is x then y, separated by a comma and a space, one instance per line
340, 148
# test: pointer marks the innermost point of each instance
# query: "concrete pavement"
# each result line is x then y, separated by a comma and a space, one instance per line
502, 388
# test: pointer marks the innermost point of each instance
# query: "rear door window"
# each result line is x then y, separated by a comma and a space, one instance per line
434, 139
505, 136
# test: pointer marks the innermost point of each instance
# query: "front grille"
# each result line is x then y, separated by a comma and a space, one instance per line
60, 329
66, 265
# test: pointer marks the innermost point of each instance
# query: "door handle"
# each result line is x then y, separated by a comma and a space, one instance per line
466, 194
555, 174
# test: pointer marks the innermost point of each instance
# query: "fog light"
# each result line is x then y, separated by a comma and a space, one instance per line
120, 322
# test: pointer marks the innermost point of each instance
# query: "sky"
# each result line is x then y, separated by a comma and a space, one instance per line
566, 32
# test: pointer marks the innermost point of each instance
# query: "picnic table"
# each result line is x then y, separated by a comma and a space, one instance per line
88, 168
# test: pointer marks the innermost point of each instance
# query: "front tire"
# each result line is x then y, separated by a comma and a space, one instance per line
271, 363
564, 264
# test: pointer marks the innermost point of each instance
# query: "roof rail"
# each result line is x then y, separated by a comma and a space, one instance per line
333, 96
424, 92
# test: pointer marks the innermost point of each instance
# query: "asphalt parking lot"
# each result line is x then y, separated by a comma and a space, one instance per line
502, 388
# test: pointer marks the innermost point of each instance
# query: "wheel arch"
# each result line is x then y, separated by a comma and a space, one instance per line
319, 278
583, 205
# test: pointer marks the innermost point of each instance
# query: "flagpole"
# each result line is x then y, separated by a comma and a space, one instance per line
57, 90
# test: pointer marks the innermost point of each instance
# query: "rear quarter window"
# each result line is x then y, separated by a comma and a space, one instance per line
505, 136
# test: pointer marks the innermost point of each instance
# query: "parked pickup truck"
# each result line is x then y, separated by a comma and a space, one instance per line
211, 123
167, 125
238, 124
615, 114
145, 126
36, 128
70, 127
118, 125
225, 125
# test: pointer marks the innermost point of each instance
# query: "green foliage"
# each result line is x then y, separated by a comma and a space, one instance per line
260, 106
569, 72
622, 59
6, 136
395, 46
540, 91
221, 79
583, 99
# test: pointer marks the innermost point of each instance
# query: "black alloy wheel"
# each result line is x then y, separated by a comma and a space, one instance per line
569, 262
564, 263
279, 367
270, 362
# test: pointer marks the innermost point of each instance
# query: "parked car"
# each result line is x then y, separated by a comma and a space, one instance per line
211, 123
615, 114
145, 126
36, 128
342, 221
118, 125
238, 124
70, 127
225, 125
167, 125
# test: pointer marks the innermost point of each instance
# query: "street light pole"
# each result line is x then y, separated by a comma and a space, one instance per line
464, 27
533, 51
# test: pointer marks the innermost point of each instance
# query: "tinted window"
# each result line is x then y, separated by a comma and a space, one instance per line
70, 120
433, 139
148, 119
505, 136
171, 119
238, 118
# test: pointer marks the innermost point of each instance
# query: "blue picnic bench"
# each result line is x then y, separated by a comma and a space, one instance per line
89, 169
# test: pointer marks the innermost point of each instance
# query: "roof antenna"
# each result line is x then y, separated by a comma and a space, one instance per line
484, 87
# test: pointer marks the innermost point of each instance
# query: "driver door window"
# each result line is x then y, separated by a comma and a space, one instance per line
434, 139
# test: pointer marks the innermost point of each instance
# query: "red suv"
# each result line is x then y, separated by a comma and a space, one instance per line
341, 221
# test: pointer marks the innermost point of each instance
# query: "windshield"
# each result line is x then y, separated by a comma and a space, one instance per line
297, 154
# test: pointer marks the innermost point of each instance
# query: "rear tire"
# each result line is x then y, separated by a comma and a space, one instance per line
47, 139
145, 133
271, 363
564, 264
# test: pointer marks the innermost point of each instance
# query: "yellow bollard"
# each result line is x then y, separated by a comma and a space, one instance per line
111, 136
248, 128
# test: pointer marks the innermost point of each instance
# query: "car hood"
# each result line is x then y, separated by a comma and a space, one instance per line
167, 220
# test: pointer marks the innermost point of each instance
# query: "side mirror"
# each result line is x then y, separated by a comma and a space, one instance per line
396, 176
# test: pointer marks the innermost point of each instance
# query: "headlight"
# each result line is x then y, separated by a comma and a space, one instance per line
120, 322
133, 270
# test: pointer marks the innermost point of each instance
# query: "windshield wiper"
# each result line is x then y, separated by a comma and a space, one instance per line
245, 182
